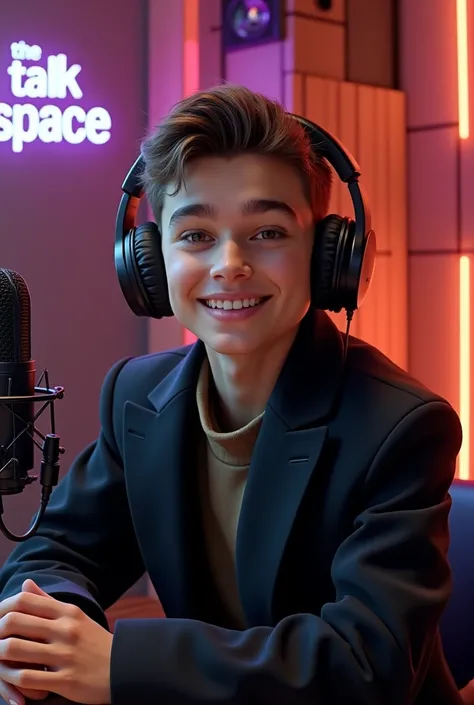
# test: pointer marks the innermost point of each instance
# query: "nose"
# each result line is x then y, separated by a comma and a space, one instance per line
229, 262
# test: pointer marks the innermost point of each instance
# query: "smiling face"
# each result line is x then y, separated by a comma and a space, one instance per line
237, 242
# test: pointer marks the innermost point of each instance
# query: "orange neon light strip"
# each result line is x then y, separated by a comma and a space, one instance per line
463, 70
191, 47
465, 363
190, 77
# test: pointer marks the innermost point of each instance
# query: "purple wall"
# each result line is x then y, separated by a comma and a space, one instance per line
58, 204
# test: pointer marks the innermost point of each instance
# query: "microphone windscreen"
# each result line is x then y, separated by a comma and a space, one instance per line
15, 318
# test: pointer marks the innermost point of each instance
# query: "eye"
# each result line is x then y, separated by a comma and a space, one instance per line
195, 236
269, 234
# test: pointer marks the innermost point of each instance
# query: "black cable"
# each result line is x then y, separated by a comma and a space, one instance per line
33, 528
49, 476
349, 315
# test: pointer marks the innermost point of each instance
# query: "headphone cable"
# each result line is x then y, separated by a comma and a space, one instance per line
349, 315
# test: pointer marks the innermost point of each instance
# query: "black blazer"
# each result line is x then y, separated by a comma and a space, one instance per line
341, 547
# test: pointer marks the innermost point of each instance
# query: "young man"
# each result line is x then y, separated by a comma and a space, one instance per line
298, 545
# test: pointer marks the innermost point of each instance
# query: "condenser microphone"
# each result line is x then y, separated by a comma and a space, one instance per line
17, 378
18, 395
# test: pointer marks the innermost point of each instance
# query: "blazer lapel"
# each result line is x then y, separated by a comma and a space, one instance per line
287, 451
160, 445
160, 449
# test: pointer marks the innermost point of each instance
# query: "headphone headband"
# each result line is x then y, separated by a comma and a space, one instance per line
329, 147
322, 142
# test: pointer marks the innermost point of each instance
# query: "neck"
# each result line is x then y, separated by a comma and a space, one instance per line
242, 384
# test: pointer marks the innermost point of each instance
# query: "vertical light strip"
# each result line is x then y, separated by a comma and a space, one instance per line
464, 261
191, 47
465, 364
463, 70
190, 76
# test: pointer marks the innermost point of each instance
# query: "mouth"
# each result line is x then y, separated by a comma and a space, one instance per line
234, 305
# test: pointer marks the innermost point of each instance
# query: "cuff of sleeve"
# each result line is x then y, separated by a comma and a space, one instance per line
75, 595
137, 674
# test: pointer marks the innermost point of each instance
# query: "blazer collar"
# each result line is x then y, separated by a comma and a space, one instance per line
309, 383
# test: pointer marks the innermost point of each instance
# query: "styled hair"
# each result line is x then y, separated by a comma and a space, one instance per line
224, 121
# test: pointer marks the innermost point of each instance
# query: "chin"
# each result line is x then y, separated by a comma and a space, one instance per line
228, 344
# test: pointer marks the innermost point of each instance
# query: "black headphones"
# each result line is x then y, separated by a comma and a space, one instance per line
343, 256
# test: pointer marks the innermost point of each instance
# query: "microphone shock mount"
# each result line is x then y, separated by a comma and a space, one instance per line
15, 478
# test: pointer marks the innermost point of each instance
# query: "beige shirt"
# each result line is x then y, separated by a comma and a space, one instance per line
223, 471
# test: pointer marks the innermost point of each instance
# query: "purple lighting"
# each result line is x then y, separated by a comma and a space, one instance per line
34, 80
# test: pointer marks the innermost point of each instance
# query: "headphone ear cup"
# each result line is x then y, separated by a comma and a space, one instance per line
150, 271
342, 266
328, 242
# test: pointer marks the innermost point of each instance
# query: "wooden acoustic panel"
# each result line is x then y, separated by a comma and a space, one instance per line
466, 195
428, 61
309, 8
433, 189
315, 46
371, 36
434, 323
441, 207
370, 122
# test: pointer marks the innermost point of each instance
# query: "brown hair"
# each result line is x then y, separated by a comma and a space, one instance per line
223, 121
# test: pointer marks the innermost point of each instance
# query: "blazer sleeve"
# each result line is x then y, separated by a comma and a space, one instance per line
84, 551
372, 645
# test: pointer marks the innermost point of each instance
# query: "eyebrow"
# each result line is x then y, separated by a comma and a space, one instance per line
253, 207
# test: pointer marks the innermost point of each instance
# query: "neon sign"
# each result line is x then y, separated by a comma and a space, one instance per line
22, 123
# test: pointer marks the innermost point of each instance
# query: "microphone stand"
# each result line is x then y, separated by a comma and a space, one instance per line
50, 448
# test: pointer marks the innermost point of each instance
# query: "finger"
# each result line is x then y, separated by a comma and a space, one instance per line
30, 586
31, 679
28, 652
27, 692
27, 626
11, 694
37, 605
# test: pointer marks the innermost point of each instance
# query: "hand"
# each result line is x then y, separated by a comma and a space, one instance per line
14, 695
38, 631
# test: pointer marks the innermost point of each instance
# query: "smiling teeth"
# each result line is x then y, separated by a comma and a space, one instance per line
228, 305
